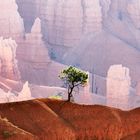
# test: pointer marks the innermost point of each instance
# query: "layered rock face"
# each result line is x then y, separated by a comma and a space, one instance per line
28, 11
122, 21
33, 55
138, 88
8, 62
67, 21
134, 12
97, 53
35, 64
99, 30
34, 50
10, 21
64, 22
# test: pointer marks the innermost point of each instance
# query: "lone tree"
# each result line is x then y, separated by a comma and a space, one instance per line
73, 77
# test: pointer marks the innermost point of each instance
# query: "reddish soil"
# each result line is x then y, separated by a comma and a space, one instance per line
45, 119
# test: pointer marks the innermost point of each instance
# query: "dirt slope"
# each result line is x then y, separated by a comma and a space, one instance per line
58, 120
36, 118
98, 122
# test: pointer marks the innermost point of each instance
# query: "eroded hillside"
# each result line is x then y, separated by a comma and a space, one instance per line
59, 120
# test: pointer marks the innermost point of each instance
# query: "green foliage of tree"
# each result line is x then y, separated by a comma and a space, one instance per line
73, 77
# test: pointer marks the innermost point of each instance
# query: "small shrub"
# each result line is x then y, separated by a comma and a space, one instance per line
6, 134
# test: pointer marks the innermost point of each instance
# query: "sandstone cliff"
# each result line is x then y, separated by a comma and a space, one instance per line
106, 30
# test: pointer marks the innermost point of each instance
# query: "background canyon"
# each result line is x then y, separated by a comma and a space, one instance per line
41, 37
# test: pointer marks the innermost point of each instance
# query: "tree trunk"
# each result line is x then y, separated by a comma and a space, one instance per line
70, 93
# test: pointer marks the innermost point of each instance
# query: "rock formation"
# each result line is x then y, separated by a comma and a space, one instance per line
64, 22
28, 11
134, 12
138, 88
95, 27
118, 86
8, 62
105, 32
25, 94
10, 21
67, 21
33, 55
10, 96
35, 64
35, 50
124, 15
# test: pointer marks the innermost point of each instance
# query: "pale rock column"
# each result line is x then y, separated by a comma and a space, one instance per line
25, 93
67, 21
92, 16
85, 97
118, 86
133, 9
10, 21
0, 65
87, 86
34, 47
138, 89
8, 63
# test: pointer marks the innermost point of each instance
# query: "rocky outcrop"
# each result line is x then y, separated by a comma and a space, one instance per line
118, 86
10, 21
66, 22
122, 21
99, 30
133, 9
35, 64
138, 88
8, 62
12, 96
25, 93
97, 53
95, 27
33, 47
28, 11
63, 22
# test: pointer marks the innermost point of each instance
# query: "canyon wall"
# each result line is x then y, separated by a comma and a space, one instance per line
97, 30
122, 21
35, 64
33, 49
92, 35
65, 22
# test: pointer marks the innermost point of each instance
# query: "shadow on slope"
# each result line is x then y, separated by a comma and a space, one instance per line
45, 119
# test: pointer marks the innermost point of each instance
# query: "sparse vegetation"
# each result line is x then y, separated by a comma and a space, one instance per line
73, 77
7, 134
